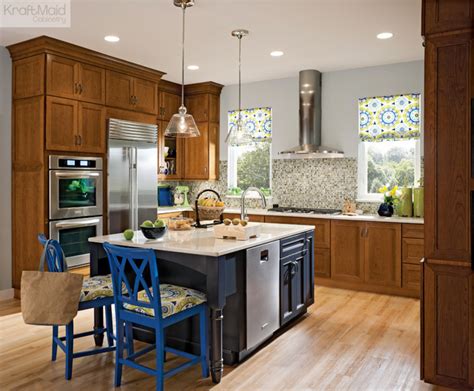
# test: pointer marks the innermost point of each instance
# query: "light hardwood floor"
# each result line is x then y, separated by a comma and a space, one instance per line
348, 341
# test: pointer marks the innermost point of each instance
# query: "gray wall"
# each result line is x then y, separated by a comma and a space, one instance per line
340, 93
5, 164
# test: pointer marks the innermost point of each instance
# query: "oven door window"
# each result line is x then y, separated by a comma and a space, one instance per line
77, 192
74, 241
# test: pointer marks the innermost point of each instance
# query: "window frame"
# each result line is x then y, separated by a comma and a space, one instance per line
362, 194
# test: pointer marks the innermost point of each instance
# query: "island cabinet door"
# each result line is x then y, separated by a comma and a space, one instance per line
294, 277
347, 250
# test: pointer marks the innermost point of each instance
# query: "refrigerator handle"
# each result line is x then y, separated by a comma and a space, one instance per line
132, 154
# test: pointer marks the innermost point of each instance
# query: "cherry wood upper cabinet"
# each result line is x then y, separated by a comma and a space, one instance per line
71, 79
447, 147
196, 154
74, 126
347, 250
447, 15
91, 84
145, 96
119, 90
61, 124
28, 77
383, 254
131, 93
169, 105
198, 106
91, 128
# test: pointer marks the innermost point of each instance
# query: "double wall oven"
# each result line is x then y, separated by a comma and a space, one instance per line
75, 204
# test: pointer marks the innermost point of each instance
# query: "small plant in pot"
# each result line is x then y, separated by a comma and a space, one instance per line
390, 200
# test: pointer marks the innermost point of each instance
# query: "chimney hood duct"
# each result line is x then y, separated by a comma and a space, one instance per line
310, 120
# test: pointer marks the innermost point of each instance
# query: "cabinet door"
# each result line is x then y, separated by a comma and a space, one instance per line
412, 250
196, 155
447, 148
322, 262
447, 15
347, 250
61, 124
383, 262
169, 105
292, 289
62, 77
146, 96
91, 84
91, 128
214, 108
198, 106
119, 90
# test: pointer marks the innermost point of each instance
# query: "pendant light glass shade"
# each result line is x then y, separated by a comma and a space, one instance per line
182, 124
238, 134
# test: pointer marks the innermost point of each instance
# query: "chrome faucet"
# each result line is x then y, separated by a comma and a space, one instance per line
243, 209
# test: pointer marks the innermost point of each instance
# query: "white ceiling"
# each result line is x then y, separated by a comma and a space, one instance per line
322, 34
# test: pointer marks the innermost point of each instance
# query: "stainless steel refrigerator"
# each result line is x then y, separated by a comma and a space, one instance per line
132, 174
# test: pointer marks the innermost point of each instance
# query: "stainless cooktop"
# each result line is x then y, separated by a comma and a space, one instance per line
289, 209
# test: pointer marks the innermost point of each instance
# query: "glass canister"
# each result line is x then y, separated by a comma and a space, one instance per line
406, 204
419, 201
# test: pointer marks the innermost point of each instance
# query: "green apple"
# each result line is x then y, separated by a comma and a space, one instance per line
147, 224
128, 234
159, 223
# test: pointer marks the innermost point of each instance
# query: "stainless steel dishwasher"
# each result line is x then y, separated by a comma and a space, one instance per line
263, 292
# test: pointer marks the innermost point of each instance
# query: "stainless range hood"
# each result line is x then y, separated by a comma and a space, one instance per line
310, 121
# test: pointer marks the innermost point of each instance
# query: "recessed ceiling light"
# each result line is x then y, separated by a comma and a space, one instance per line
111, 38
193, 67
276, 53
385, 35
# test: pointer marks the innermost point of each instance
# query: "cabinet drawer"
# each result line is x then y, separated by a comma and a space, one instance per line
411, 276
416, 231
412, 250
295, 245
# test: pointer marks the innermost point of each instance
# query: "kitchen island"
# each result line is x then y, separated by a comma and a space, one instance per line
253, 287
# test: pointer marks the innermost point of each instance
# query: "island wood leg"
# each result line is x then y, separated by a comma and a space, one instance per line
98, 325
217, 362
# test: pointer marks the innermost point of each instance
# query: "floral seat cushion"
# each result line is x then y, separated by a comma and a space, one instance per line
174, 299
97, 287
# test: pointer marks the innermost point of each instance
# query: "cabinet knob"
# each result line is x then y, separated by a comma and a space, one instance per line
81, 88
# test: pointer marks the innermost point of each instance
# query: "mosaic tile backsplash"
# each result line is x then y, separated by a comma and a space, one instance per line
312, 183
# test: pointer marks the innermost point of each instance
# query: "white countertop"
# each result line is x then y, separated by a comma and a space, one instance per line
200, 241
264, 212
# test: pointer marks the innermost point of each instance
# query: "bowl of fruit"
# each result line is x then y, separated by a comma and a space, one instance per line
154, 230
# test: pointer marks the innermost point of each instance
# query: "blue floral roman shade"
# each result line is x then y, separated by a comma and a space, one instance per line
393, 117
257, 121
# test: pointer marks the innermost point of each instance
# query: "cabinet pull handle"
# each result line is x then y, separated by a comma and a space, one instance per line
80, 139
81, 88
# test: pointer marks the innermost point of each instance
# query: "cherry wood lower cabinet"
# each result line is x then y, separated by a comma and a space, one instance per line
448, 320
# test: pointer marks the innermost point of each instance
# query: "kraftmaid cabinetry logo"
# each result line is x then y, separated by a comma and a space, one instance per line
35, 13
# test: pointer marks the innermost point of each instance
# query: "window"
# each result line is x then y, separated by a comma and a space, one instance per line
250, 165
389, 143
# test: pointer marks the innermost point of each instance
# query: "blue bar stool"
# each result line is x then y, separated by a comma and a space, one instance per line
96, 292
139, 304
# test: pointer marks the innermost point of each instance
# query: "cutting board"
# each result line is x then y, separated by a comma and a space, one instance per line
238, 232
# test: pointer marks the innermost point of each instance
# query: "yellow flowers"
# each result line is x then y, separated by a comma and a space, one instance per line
394, 191
383, 189
390, 196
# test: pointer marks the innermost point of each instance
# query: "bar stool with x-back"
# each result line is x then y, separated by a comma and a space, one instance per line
144, 302
96, 293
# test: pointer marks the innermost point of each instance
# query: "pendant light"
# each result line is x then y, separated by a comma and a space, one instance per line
182, 124
238, 134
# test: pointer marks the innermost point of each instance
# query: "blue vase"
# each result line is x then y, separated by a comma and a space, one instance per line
385, 210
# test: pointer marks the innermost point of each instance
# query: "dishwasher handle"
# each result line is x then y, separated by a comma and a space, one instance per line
264, 256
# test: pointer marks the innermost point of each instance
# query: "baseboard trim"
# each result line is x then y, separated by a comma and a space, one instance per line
6, 294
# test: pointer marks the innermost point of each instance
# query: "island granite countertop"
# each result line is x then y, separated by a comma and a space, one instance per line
201, 241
